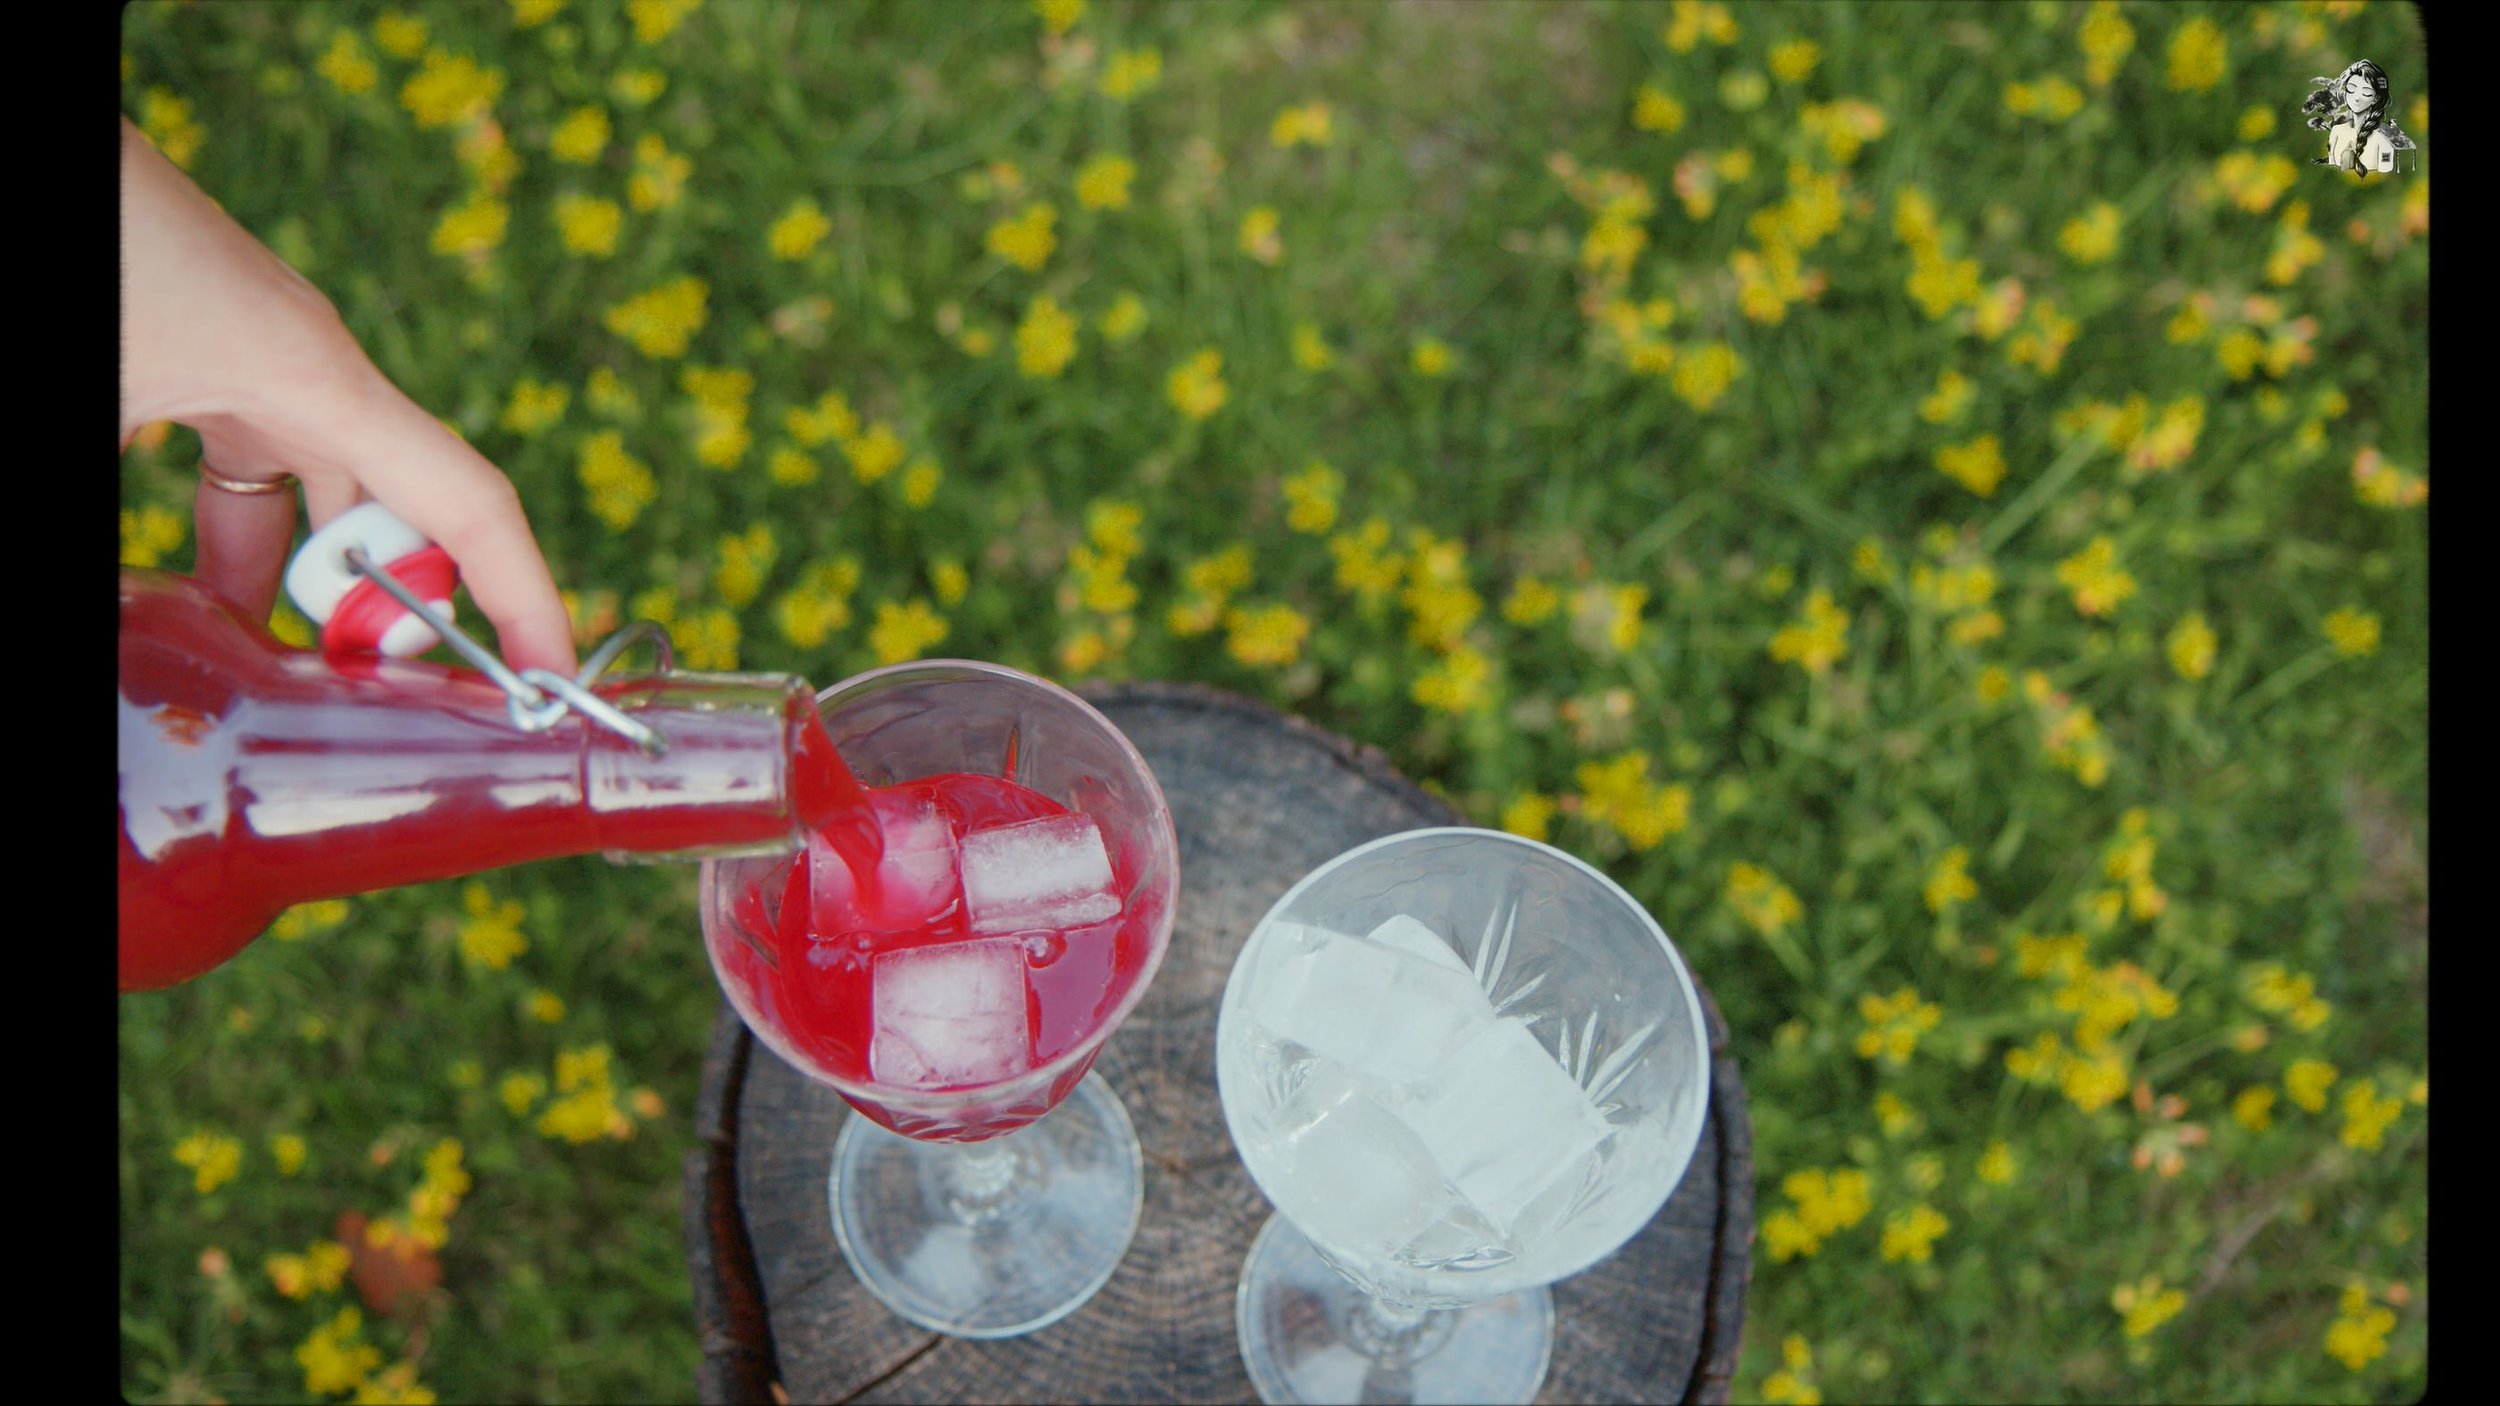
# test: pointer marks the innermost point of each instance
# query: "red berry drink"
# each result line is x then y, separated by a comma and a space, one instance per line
976, 932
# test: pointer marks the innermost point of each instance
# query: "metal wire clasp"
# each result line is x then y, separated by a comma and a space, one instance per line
540, 698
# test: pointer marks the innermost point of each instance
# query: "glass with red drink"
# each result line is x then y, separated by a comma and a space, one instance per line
950, 959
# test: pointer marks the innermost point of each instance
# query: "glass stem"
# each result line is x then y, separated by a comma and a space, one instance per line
984, 1181
1392, 1333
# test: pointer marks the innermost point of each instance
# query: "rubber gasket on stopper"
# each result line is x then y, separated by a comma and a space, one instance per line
367, 612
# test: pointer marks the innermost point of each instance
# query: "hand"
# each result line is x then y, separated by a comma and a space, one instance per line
220, 335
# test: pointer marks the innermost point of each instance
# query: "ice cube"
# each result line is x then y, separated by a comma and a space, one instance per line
1358, 1179
1051, 873
1409, 935
912, 886
949, 1015
1381, 1011
1503, 1121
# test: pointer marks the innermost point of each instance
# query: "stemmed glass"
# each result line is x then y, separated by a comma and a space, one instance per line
1462, 1065
945, 1219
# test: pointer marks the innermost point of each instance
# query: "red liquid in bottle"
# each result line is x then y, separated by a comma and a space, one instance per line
254, 776
796, 975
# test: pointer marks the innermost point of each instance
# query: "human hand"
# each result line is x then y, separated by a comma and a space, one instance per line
220, 335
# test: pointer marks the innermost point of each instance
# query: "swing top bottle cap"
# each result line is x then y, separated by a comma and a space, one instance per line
355, 614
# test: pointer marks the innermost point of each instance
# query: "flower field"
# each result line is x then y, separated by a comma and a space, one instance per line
1931, 497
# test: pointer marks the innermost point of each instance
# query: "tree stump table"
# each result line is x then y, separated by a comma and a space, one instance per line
1258, 799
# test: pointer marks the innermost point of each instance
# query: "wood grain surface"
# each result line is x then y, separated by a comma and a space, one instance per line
1258, 799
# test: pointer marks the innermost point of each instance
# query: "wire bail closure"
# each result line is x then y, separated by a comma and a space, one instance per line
540, 698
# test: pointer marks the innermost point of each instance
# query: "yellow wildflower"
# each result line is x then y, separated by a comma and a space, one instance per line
401, 36
1694, 20
1789, 1386
1026, 240
949, 580
1258, 235
2093, 575
213, 1158
1996, 1165
1131, 72
1059, 16
2358, 1336
546, 1007
1911, 1235
529, 14
1430, 357
2191, 646
1456, 683
1950, 883
920, 483
1978, 466
2353, 632
2106, 38
1196, 387
1794, 61
659, 174
1529, 814
1894, 1023
2199, 56
1102, 182
534, 407
588, 224
472, 228
904, 631
708, 641
2383, 485
744, 559
1310, 350
1311, 498
1818, 640
1304, 125
347, 66
1123, 319
1952, 396
1766, 904
581, 137
1269, 635
655, 20
149, 534
799, 230
2147, 1305
332, 1357
1654, 111
1045, 340
1704, 371
1530, 601
2307, 1081
490, 936
449, 88
620, 486
638, 87
661, 322
287, 1150
788, 465
1618, 794
2091, 237
2366, 1115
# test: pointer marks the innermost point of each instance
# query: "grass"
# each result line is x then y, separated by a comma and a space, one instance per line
1785, 785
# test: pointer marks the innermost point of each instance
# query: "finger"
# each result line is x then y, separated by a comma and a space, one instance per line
243, 537
446, 490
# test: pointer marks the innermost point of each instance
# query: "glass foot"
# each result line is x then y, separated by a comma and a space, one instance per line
1308, 1335
991, 1239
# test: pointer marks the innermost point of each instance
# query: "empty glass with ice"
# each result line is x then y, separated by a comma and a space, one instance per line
1462, 1065
950, 956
